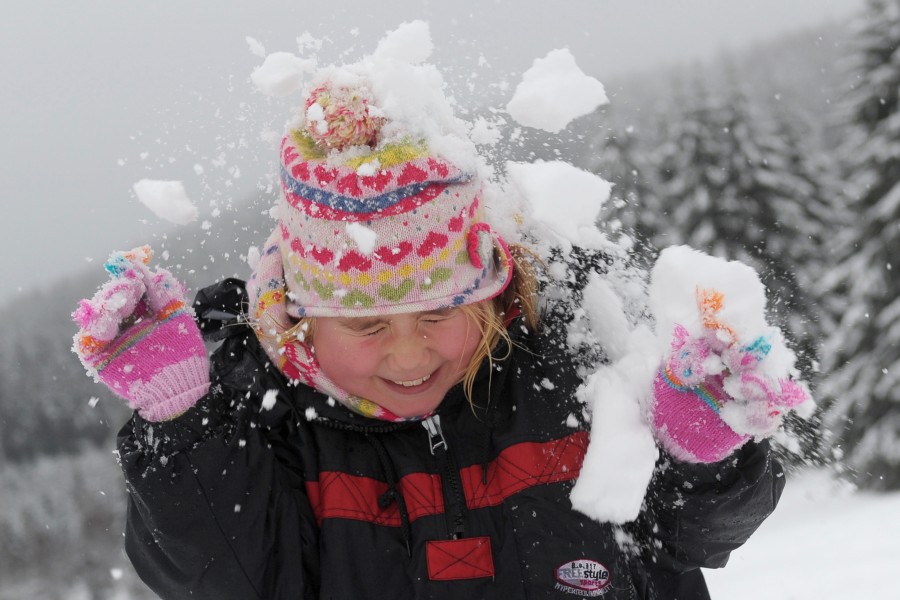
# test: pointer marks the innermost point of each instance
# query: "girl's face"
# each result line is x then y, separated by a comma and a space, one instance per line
405, 363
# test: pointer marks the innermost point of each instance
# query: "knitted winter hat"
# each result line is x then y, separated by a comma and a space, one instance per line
366, 229
378, 230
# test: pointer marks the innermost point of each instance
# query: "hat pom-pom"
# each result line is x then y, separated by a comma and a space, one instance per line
338, 117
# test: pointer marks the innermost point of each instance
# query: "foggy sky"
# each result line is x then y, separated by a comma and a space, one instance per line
97, 95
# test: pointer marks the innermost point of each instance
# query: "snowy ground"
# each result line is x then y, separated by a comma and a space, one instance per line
824, 542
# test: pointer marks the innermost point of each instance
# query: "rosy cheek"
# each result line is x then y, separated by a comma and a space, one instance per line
356, 356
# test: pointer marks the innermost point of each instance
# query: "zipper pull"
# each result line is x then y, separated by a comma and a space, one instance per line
436, 439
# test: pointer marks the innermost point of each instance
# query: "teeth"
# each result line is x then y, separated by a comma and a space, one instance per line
413, 382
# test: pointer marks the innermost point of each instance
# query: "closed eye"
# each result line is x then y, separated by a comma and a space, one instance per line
438, 315
363, 327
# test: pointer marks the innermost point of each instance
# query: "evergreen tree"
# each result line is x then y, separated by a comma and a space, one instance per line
802, 186
730, 185
620, 161
810, 208
863, 353
742, 184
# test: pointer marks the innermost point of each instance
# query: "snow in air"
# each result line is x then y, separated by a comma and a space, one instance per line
281, 74
269, 398
564, 199
167, 200
555, 91
558, 204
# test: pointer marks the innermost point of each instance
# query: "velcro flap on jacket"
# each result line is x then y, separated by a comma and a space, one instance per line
466, 558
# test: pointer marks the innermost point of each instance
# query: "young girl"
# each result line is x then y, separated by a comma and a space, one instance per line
389, 413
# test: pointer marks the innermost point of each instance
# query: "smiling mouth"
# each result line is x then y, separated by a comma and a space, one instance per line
413, 382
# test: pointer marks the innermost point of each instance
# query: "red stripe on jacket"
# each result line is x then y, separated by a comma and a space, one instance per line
338, 495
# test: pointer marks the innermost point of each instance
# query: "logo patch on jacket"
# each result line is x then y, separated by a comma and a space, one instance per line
586, 578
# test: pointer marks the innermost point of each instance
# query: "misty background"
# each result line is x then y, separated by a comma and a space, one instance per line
751, 130
98, 95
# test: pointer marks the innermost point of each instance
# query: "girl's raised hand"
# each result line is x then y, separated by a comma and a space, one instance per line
137, 335
728, 375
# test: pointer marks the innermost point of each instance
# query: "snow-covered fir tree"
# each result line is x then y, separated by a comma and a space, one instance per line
862, 357
801, 183
620, 159
734, 185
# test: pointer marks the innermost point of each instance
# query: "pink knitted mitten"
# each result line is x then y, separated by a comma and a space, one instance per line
138, 336
712, 395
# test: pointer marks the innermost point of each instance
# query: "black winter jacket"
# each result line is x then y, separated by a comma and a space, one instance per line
308, 500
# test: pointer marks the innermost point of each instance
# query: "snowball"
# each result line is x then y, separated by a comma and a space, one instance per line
281, 74
167, 200
364, 237
681, 271
409, 43
564, 198
553, 92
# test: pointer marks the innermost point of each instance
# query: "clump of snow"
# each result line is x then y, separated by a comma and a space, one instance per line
553, 92
613, 490
281, 74
168, 200
486, 133
679, 278
368, 169
564, 199
410, 43
253, 256
364, 237
307, 41
622, 453
315, 115
269, 398
619, 395
255, 46
405, 90
681, 271
605, 322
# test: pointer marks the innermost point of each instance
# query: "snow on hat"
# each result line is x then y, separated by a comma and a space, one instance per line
370, 229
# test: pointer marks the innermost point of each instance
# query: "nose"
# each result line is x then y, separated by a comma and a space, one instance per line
409, 352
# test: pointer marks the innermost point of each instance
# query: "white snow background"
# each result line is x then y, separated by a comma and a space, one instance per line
824, 542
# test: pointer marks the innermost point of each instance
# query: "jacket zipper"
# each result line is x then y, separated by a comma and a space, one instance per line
454, 500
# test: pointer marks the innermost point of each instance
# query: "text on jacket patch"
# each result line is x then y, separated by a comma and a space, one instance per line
583, 577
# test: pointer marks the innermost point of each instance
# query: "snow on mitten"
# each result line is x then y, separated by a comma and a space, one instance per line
137, 335
714, 392
758, 400
688, 397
